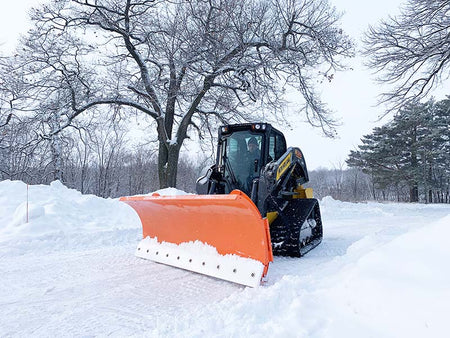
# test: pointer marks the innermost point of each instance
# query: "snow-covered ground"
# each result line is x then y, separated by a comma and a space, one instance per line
382, 270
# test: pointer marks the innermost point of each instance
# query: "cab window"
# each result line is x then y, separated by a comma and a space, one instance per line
277, 146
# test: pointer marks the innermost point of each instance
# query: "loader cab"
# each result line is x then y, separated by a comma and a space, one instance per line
243, 150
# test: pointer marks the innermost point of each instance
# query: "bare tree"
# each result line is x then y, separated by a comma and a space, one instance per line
411, 51
21, 152
81, 159
185, 64
8, 118
5, 111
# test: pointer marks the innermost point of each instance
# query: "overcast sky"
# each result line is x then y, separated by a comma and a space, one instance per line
351, 95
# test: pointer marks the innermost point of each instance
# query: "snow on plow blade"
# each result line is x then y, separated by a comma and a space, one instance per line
223, 236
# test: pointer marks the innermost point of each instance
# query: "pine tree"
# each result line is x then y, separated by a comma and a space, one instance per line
411, 150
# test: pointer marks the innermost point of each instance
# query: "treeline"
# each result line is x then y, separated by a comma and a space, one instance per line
97, 158
411, 152
404, 160
353, 185
342, 184
94, 159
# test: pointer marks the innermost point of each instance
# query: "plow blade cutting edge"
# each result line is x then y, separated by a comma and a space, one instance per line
223, 236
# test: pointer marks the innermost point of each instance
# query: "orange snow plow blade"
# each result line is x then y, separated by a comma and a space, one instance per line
223, 236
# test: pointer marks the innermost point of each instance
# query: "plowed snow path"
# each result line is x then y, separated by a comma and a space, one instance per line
106, 291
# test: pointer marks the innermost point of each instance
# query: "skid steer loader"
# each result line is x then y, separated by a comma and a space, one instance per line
250, 205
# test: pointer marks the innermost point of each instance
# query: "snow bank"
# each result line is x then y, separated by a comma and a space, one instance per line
401, 289
53, 217
44, 214
56, 208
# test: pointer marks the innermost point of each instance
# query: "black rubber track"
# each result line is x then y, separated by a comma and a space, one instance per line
290, 234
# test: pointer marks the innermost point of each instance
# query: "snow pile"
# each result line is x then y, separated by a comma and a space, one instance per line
405, 282
381, 271
170, 192
166, 192
52, 217
57, 208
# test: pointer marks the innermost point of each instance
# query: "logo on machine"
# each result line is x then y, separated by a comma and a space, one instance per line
298, 153
284, 165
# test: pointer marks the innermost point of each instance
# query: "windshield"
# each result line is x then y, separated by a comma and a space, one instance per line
242, 159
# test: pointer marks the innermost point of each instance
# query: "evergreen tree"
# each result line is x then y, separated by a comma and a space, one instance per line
412, 150
440, 176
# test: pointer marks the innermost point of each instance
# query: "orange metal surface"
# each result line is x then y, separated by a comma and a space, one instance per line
231, 223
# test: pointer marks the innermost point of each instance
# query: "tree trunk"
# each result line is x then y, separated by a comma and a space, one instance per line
413, 188
168, 164
414, 193
55, 147
430, 180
